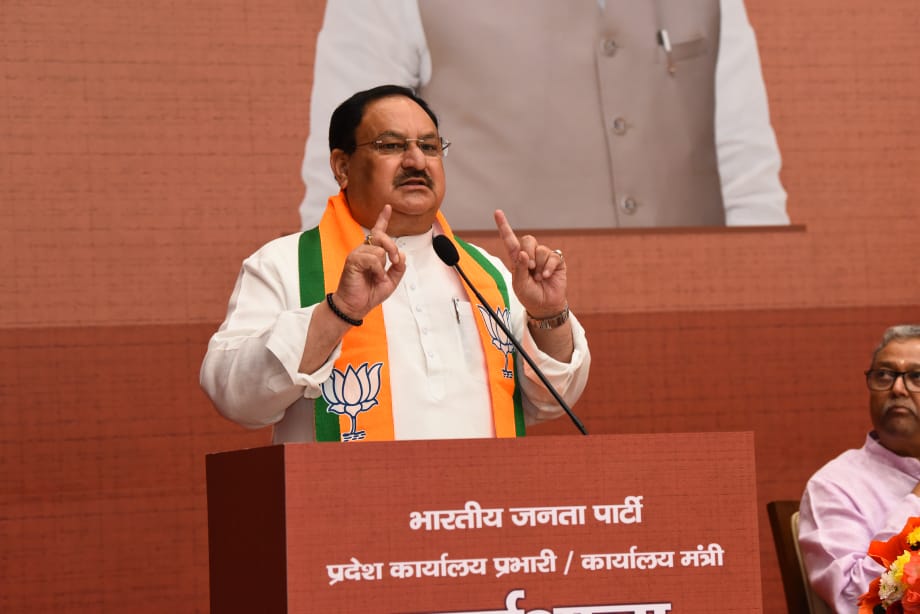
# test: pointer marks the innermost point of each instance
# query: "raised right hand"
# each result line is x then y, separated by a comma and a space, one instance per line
366, 281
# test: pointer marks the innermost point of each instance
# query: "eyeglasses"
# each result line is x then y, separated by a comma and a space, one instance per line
395, 146
884, 379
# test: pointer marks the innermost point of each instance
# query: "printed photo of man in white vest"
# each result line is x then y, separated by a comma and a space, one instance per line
574, 114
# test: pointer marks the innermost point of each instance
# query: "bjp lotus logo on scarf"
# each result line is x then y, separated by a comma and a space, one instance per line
499, 338
351, 393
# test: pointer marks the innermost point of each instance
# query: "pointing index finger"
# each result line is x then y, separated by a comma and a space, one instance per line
383, 220
512, 244
382, 239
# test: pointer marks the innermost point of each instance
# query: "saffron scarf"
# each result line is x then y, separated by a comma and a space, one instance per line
356, 403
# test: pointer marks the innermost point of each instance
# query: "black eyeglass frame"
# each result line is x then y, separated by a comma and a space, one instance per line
909, 383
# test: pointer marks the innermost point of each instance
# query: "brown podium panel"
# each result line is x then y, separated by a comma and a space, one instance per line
565, 525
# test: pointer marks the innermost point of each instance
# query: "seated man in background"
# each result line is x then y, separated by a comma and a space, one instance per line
356, 330
867, 494
574, 114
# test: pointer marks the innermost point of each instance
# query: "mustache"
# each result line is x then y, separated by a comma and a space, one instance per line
406, 176
906, 403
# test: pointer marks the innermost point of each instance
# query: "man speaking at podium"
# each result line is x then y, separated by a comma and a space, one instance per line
356, 330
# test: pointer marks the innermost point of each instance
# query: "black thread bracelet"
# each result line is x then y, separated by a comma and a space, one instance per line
337, 312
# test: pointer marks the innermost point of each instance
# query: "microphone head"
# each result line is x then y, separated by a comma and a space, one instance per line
446, 250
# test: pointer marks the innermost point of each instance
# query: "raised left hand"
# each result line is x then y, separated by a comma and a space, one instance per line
537, 272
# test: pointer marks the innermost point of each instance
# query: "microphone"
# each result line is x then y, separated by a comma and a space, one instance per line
447, 252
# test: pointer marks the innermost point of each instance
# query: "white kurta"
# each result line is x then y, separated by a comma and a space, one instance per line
438, 370
861, 496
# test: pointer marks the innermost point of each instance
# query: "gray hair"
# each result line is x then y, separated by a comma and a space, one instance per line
900, 332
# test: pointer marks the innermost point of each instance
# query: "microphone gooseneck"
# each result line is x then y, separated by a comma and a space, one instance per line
447, 252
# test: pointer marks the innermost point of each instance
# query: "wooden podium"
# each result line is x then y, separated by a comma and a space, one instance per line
565, 525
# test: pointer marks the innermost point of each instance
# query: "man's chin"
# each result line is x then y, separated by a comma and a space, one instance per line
412, 218
900, 424
416, 202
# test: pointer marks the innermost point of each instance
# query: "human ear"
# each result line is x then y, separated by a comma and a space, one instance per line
338, 161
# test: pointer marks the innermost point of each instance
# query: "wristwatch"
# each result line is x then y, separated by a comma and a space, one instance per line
551, 322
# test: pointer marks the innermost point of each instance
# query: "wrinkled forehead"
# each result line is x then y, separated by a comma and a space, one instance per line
396, 115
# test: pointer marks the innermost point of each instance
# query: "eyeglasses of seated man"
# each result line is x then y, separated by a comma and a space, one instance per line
391, 145
883, 379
